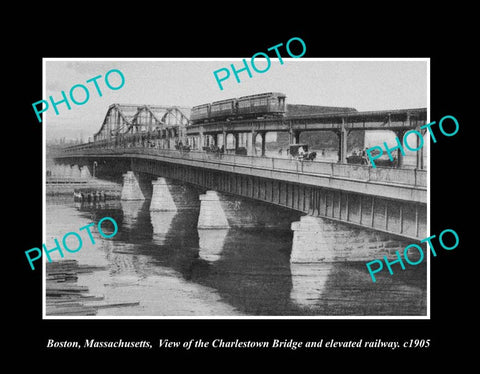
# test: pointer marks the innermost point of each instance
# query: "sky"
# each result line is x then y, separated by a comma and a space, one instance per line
361, 84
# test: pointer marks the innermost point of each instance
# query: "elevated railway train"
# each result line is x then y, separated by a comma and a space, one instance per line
267, 104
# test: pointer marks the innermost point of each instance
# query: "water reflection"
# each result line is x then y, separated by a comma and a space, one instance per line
211, 242
252, 272
161, 223
163, 261
400, 294
131, 210
338, 288
309, 282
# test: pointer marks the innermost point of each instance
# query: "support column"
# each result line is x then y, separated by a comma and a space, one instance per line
321, 240
94, 169
309, 243
162, 199
224, 133
250, 144
131, 187
167, 139
400, 157
202, 139
254, 143
420, 154
236, 136
342, 145
211, 214
263, 135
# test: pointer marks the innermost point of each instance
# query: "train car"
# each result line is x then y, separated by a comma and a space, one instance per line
252, 106
265, 104
200, 113
223, 109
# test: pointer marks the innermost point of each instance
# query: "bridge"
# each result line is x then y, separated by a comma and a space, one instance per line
341, 123
157, 148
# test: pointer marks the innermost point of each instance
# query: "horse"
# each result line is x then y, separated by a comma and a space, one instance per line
311, 156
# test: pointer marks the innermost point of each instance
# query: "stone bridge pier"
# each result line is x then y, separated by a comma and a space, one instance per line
314, 239
318, 239
220, 210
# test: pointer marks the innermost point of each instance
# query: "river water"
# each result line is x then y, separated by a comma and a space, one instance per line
164, 264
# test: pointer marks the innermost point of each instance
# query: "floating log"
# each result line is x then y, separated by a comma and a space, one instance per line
65, 297
66, 287
82, 310
115, 305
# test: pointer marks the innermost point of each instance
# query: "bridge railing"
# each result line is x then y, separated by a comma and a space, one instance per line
411, 177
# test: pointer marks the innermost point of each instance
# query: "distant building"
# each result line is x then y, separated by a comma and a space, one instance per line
301, 109
320, 140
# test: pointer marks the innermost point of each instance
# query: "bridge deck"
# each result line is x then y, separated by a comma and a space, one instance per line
399, 184
402, 119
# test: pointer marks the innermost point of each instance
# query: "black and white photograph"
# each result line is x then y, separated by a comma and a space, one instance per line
285, 194
289, 193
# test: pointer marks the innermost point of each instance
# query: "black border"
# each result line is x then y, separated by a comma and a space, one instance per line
449, 315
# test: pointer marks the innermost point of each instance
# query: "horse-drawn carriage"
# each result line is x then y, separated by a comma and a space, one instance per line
300, 152
362, 159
